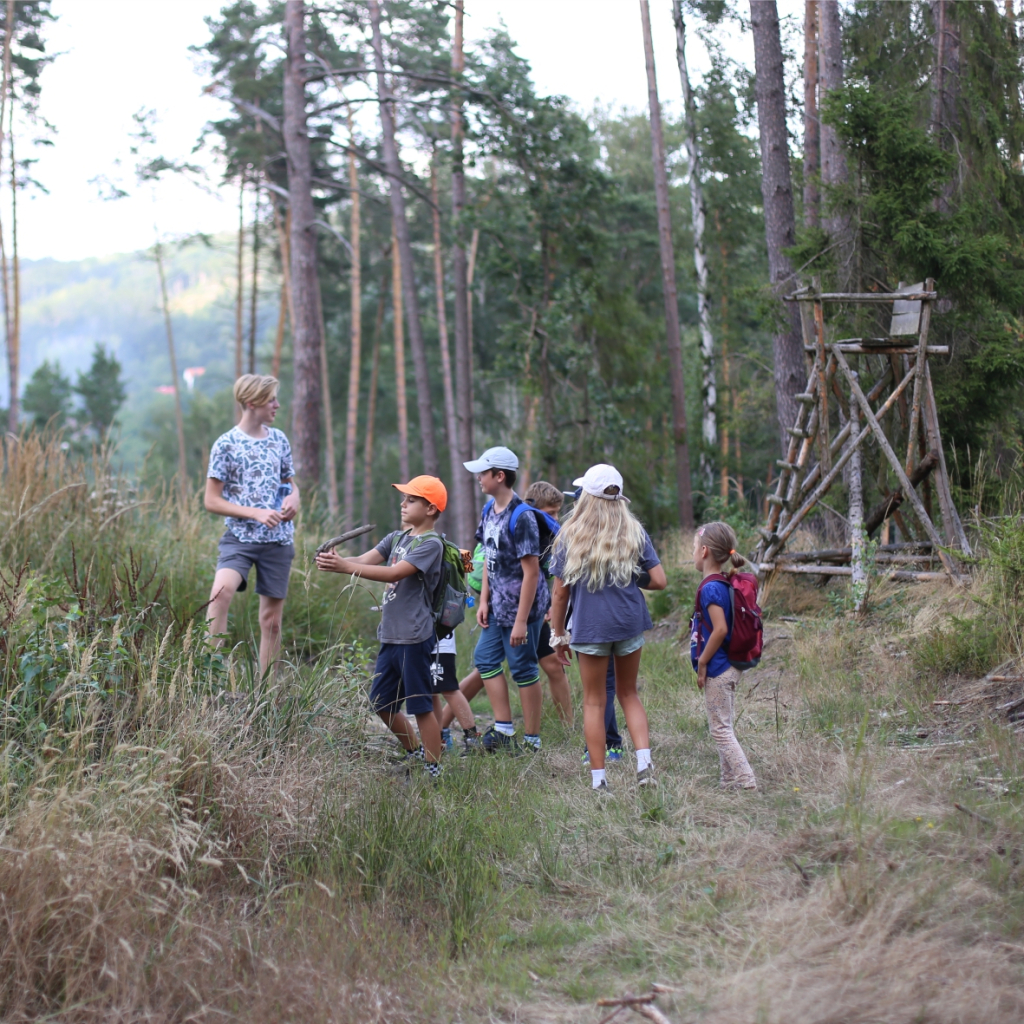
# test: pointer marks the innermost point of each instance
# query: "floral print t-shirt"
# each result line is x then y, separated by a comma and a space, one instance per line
253, 470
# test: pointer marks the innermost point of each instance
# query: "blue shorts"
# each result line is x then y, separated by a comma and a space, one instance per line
403, 673
617, 648
495, 646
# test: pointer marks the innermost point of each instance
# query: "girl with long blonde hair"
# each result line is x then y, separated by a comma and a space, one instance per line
602, 557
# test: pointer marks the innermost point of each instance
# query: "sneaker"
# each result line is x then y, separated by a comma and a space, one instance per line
601, 787
585, 760
613, 754
470, 745
446, 739
493, 741
531, 745
645, 777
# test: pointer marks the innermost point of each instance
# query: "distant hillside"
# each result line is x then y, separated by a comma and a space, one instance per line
69, 306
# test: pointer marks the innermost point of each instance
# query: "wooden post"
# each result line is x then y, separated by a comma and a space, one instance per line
922, 357
856, 517
819, 330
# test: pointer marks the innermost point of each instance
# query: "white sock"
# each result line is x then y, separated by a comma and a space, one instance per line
643, 759
596, 777
505, 728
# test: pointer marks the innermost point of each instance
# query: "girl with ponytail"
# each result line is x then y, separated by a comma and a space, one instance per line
714, 554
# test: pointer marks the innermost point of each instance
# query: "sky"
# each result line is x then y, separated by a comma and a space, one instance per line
119, 56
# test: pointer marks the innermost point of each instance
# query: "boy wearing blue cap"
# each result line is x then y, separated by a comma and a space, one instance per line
513, 600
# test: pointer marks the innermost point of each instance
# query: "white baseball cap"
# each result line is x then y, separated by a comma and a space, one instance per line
602, 481
494, 458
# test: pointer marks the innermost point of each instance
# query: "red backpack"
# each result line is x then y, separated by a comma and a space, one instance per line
747, 636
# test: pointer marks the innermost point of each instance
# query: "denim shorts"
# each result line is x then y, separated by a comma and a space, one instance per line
618, 648
403, 673
495, 646
273, 563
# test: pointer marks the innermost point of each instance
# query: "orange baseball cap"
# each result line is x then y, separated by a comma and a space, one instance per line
427, 487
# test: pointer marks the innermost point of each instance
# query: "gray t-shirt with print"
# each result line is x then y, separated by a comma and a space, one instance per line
405, 611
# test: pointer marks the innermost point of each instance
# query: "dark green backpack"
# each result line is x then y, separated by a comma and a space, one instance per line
448, 601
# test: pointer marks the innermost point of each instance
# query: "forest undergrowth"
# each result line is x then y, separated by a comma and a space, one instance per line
181, 841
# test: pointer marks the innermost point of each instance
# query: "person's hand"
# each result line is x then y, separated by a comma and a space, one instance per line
290, 506
481, 614
702, 675
547, 615
564, 655
331, 561
269, 517
518, 636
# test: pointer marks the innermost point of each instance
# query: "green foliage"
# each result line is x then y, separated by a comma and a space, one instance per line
47, 396
960, 647
102, 390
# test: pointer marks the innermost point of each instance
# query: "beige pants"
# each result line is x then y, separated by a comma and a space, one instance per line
719, 697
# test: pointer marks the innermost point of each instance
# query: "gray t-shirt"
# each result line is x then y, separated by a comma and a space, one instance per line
405, 611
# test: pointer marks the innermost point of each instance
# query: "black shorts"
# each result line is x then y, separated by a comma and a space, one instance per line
544, 647
403, 673
448, 680
273, 563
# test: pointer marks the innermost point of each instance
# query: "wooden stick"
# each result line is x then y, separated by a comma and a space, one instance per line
899, 575
855, 348
330, 545
958, 535
884, 509
973, 814
651, 1012
919, 366
870, 297
883, 443
824, 454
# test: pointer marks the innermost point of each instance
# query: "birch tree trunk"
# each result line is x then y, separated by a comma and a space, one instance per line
401, 227
399, 339
451, 425
462, 481
179, 420
833, 159
306, 387
779, 217
668, 279
708, 387
356, 316
812, 133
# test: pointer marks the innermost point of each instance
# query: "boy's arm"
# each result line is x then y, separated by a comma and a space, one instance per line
331, 561
483, 608
656, 578
290, 505
215, 502
719, 631
531, 576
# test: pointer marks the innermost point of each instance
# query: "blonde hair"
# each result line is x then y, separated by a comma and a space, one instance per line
720, 540
255, 389
541, 494
601, 542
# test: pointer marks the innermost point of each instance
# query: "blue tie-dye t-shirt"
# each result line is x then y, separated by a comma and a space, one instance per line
504, 569
253, 470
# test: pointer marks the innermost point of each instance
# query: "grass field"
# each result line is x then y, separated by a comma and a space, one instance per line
182, 842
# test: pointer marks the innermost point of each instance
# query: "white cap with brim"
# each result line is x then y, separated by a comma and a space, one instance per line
602, 481
494, 458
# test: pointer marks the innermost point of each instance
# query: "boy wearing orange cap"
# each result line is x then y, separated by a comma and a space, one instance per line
409, 562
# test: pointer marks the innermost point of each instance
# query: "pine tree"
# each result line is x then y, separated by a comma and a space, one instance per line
102, 391
47, 397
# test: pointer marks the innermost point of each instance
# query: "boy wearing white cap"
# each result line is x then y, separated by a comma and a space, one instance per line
513, 600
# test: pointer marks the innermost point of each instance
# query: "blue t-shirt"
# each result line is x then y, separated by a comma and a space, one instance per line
502, 553
715, 592
610, 613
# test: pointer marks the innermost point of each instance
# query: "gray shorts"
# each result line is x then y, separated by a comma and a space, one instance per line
618, 648
273, 563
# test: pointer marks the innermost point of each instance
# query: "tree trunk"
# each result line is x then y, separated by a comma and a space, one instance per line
371, 404
708, 389
12, 354
399, 339
283, 232
779, 218
179, 420
401, 228
946, 88
451, 425
14, 348
462, 481
668, 278
833, 160
254, 293
356, 316
325, 391
240, 285
306, 387
856, 518
812, 128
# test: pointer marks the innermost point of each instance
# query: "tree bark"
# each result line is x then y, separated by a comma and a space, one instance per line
833, 159
240, 284
708, 387
779, 218
812, 127
668, 278
399, 338
401, 227
946, 88
14, 348
325, 391
371, 403
462, 481
451, 425
283, 233
306, 387
254, 293
12, 352
356, 343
